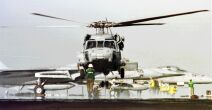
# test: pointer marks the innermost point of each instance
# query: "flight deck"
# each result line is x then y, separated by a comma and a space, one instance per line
77, 98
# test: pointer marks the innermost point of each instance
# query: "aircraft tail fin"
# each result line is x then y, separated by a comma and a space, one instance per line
3, 66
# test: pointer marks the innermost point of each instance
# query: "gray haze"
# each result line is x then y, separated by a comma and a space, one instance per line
184, 41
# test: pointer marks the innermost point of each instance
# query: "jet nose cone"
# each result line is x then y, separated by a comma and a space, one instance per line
206, 79
210, 79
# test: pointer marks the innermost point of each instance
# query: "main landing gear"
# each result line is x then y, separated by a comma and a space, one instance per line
39, 89
104, 84
122, 72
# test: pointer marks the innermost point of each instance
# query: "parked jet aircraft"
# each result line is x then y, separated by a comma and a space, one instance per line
176, 80
64, 75
181, 80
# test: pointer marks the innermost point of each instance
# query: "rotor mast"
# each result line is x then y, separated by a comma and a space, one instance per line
101, 26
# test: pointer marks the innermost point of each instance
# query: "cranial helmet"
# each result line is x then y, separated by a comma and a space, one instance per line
90, 66
81, 68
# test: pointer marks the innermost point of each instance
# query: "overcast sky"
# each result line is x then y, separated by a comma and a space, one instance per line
184, 41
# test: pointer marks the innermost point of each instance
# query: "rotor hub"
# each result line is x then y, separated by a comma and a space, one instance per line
101, 24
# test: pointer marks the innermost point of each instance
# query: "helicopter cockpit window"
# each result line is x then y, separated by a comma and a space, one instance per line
110, 44
100, 44
91, 44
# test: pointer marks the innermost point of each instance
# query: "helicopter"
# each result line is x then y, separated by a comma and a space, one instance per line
103, 49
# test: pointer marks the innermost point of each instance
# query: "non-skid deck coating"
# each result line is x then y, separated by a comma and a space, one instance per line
105, 104
76, 98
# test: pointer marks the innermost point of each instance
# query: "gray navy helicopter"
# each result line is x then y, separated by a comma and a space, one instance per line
103, 49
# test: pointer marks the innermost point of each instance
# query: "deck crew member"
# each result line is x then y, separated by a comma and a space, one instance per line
191, 85
90, 76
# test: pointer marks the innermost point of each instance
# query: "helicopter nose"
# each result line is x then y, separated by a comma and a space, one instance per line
101, 54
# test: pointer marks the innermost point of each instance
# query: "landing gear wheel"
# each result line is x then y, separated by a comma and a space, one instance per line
102, 84
106, 72
106, 84
122, 72
39, 90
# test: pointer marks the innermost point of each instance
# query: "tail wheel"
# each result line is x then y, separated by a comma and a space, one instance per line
39, 90
122, 72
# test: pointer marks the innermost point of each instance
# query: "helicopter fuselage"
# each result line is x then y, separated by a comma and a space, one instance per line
103, 51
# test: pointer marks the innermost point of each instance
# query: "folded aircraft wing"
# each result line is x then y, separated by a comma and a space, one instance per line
197, 79
15, 77
161, 76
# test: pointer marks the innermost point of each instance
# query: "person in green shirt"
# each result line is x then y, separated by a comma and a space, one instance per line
90, 76
191, 86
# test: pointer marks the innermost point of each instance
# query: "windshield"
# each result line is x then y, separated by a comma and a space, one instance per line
101, 44
91, 44
109, 44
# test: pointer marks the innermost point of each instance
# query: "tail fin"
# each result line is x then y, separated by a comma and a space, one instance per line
2, 66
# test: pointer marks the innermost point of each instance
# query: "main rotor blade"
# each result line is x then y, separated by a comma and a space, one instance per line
43, 15
66, 26
160, 17
140, 24
58, 26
